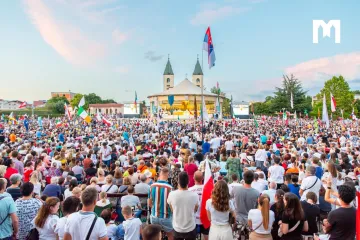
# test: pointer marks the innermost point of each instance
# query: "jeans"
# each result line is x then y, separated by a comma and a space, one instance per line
107, 163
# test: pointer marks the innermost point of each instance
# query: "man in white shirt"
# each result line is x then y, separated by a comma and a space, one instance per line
276, 173
258, 185
310, 184
78, 224
183, 214
215, 143
229, 145
105, 152
198, 189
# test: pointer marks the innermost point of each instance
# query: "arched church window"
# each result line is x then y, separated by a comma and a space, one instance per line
197, 80
168, 80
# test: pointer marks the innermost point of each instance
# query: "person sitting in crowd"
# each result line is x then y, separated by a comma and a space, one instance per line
14, 188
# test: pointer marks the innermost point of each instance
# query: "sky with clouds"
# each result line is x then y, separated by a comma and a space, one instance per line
114, 47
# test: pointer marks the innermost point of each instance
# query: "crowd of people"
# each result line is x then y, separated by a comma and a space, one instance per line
144, 179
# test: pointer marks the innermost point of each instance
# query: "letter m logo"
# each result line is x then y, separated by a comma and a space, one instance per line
326, 29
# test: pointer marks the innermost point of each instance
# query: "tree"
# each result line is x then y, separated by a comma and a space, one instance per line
341, 91
108, 101
283, 95
56, 104
76, 99
226, 102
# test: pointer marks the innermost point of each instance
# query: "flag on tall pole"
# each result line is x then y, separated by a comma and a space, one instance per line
204, 111
316, 125
82, 101
206, 194
256, 122
209, 47
333, 103
325, 116
22, 105
67, 111
291, 101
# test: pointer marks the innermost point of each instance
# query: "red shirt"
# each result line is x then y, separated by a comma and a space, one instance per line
10, 171
86, 163
191, 168
27, 174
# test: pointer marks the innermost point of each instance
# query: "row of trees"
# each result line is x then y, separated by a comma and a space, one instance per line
337, 86
56, 104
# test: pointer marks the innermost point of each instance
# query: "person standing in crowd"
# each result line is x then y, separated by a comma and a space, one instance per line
70, 205
105, 153
26, 209
278, 209
191, 168
219, 208
293, 221
245, 197
311, 211
260, 156
78, 224
341, 223
19, 165
160, 210
14, 188
310, 183
198, 189
276, 173
9, 226
47, 218
271, 192
260, 220
132, 201
53, 189
131, 225
183, 214
233, 166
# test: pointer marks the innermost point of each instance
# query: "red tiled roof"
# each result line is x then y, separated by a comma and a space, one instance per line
106, 105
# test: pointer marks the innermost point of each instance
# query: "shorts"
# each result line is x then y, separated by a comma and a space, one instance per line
165, 223
187, 235
203, 230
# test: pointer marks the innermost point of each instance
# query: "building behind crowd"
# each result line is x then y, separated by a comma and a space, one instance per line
9, 104
106, 108
69, 95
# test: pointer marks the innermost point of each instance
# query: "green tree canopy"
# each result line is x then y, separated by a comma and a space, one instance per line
76, 99
90, 98
341, 91
226, 101
56, 104
283, 95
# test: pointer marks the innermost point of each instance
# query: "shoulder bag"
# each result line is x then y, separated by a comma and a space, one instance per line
290, 230
91, 228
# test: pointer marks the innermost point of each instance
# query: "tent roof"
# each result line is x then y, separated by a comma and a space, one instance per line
185, 87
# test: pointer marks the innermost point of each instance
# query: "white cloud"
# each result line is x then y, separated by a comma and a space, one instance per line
212, 13
119, 37
317, 70
123, 69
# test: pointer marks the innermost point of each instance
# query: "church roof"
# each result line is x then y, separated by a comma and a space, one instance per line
168, 68
185, 87
198, 70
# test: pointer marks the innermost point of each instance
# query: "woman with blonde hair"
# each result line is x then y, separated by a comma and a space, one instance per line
118, 177
46, 219
260, 220
94, 183
101, 176
126, 183
34, 179
219, 209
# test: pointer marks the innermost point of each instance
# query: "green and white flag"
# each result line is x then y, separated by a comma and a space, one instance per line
83, 114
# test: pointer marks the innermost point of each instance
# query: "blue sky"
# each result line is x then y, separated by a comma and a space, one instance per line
114, 47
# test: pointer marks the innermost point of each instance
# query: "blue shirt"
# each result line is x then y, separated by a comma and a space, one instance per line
294, 190
38, 134
309, 140
52, 190
7, 206
126, 136
263, 139
319, 172
205, 147
61, 137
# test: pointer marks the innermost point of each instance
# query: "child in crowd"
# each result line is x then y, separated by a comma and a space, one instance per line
103, 200
114, 232
131, 225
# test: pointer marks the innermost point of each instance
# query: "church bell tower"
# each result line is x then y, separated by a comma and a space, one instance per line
168, 78
197, 77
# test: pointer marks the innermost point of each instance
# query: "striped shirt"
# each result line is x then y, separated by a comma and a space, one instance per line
159, 193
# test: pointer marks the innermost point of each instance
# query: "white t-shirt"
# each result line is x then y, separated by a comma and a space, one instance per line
260, 155
215, 143
47, 232
67, 193
60, 227
79, 223
271, 193
232, 185
256, 219
218, 218
130, 200
229, 145
104, 152
132, 228
276, 174
258, 186
198, 189
309, 182
112, 189
183, 204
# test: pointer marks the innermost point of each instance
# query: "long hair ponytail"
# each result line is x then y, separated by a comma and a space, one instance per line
265, 209
45, 211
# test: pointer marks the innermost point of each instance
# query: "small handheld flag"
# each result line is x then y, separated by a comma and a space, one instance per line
22, 105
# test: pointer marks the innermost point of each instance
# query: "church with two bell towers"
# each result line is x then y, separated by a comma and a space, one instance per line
168, 77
